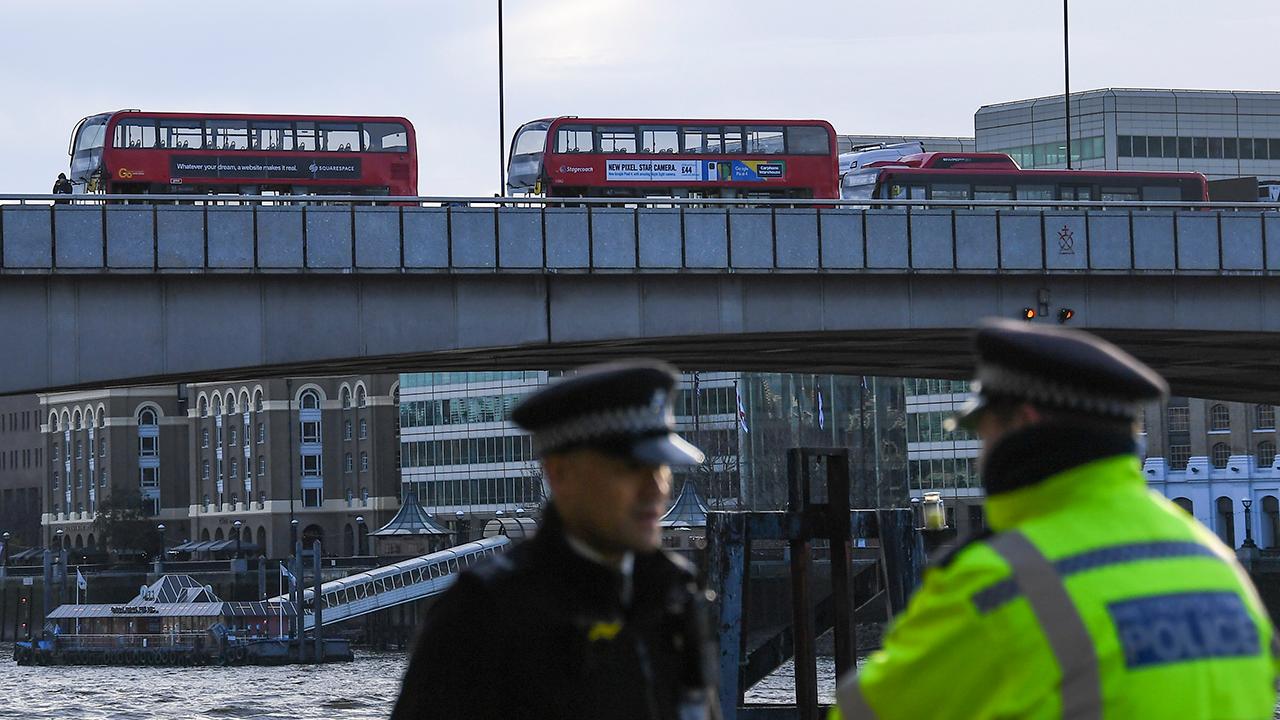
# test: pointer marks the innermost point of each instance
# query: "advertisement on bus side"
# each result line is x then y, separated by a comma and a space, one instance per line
240, 166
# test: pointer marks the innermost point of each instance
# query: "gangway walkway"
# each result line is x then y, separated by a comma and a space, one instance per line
396, 584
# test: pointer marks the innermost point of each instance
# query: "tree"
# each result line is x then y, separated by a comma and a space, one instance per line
122, 526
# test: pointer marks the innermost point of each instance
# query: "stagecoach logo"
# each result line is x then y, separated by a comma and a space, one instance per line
1066, 241
570, 169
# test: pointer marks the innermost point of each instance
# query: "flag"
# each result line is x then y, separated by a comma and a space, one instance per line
81, 583
821, 417
284, 572
742, 414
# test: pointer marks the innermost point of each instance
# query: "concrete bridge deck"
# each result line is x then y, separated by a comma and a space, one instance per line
96, 294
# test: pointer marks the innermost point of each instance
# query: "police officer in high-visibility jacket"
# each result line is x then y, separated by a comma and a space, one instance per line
1090, 596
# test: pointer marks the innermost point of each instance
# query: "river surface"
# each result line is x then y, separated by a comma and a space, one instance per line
363, 689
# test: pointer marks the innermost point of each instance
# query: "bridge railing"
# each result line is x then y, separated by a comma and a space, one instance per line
310, 234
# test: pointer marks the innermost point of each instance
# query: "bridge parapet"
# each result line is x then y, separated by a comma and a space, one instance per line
660, 237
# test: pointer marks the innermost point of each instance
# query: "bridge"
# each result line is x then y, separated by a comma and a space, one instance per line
395, 584
112, 292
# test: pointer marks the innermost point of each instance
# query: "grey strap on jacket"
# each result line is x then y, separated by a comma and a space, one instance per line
1060, 621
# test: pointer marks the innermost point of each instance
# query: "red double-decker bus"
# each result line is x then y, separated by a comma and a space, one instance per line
130, 151
593, 157
994, 176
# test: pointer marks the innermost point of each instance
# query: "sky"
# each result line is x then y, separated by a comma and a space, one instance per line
868, 67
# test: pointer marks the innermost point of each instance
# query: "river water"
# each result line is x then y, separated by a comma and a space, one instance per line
363, 689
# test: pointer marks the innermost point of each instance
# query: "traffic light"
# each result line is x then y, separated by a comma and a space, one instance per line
1028, 313
1065, 314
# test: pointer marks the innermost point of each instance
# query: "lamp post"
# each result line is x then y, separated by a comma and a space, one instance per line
237, 525
502, 116
360, 535
1248, 524
1066, 78
462, 527
160, 556
4, 564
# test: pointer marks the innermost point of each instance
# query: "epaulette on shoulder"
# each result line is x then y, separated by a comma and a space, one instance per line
946, 556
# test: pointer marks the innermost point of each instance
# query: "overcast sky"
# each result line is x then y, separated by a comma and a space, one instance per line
868, 67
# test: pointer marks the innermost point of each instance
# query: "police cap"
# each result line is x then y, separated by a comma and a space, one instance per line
1057, 368
623, 408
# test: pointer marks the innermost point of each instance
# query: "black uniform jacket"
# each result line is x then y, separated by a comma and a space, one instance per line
542, 632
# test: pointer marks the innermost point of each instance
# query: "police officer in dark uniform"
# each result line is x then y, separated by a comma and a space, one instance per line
62, 186
590, 618
1091, 595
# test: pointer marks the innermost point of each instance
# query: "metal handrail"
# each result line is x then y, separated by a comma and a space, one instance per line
475, 201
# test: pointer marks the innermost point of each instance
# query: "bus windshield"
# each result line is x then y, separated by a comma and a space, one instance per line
86, 147
525, 165
859, 185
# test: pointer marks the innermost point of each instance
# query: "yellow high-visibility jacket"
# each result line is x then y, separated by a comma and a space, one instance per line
1094, 597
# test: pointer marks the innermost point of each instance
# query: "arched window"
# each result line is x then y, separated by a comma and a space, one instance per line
1266, 453
1219, 417
1270, 529
244, 401
1226, 521
257, 401
346, 398
1265, 417
1185, 504
217, 534
204, 535
348, 541
361, 400
78, 421
217, 405
262, 540
204, 406
231, 403
1221, 453
309, 400
53, 421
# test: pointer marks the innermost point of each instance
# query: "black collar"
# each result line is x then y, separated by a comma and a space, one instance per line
1027, 456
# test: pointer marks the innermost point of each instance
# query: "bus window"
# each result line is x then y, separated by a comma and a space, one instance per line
694, 141
340, 137
228, 134
1035, 192
305, 136
1161, 193
808, 140
574, 139
135, 134
949, 191
616, 139
1077, 192
1119, 194
993, 192
184, 134
531, 140
726, 140
660, 139
272, 135
386, 137
764, 140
